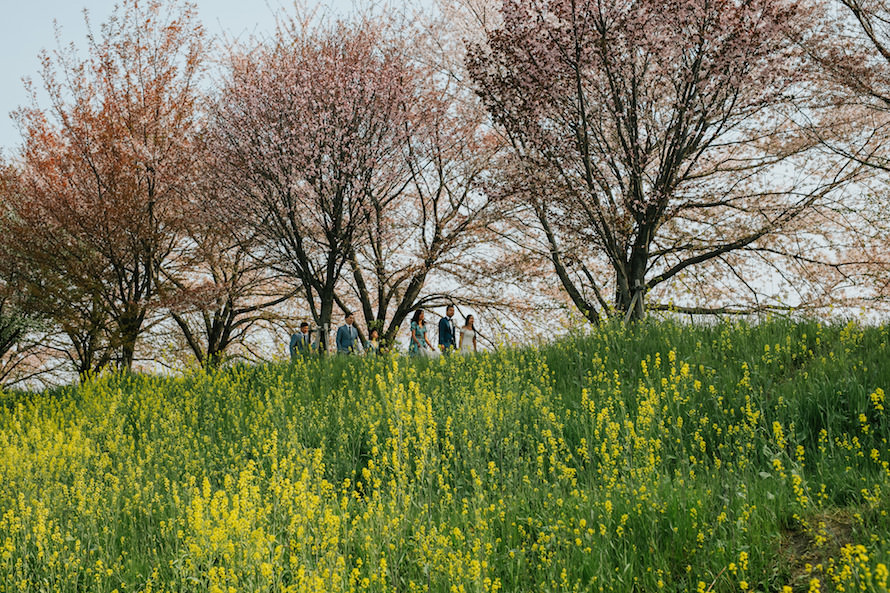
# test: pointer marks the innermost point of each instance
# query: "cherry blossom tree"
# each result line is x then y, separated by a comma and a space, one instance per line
854, 123
13, 317
18, 325
653, 145
104, 167
217, 289
312, 125
51, 278
862, 63
417, 244
25, 357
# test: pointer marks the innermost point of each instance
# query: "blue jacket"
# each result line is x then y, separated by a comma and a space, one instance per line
347, 336
446, 333
299, 344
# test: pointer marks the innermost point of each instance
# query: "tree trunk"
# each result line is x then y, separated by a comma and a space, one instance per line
130, 326
588, 310
405, 307
324, 320
630, 286
221, 337
190, 337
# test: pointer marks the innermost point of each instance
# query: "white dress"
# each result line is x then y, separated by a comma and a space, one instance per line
466, 342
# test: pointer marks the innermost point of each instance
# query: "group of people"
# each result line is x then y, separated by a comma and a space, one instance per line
348, 340
451, 338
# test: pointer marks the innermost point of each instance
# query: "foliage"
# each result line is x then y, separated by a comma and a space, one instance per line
853, 123
98, 200
652, 142
309, 125
435, 229
219, 291
657, 456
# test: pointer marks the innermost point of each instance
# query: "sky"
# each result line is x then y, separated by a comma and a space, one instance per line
27, 27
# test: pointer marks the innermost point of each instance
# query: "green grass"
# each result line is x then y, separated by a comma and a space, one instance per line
655, 457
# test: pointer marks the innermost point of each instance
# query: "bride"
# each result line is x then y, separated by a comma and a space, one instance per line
468, 336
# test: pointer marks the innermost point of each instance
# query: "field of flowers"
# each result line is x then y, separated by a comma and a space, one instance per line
733, 457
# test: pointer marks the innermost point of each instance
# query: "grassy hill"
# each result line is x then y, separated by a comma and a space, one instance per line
733, 457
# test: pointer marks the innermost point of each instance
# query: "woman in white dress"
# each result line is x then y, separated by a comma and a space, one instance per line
467, 336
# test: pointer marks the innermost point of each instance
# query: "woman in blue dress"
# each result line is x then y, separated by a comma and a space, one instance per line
420, 343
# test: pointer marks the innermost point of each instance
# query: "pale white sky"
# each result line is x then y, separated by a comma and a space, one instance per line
26, 27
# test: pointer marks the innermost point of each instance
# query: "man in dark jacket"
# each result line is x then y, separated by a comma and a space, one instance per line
347, 336
446, 331
300, 341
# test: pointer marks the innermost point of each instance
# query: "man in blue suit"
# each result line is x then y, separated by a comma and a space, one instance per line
347, 336
447, 342
300, 341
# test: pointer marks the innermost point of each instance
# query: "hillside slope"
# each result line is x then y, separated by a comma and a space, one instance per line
657, 457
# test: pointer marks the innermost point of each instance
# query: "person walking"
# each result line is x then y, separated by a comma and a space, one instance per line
447, 335
420, 343
468, 336
347, 336
300, 343
373, 342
